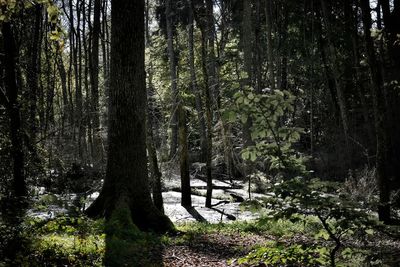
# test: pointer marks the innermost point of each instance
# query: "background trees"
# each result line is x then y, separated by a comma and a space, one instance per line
245, 92
206, 61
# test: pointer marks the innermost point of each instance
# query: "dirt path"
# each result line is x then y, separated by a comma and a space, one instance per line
215, 249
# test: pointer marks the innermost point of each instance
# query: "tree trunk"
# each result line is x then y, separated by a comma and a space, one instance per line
33, 81
208, 121
380, 118
270, 51
97, 152
10, 82
335, 69
87, 104
155, 172
186, 200
174, 81
78, 85
126, 189
211, 59
65, 106
194, 87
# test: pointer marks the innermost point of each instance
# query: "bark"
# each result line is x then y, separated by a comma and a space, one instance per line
186, 200
97, 152
334, 62
194, 86
174, 81
65, 108
78, 66
105, 40
33, 80
155, 172
11, 88
203, 17
257, 47
212, 64
126, 185
207, 96
353, 33
87, 104
247, 38
270, 50
379, 116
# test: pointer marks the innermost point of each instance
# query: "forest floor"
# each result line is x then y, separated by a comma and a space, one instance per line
211, 249
221, 236
230, 202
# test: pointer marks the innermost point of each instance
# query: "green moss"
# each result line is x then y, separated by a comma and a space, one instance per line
126, 245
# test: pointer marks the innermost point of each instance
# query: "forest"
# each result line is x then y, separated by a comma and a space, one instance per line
200, 133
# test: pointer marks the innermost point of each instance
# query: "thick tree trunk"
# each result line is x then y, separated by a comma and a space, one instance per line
126, 187
10, 82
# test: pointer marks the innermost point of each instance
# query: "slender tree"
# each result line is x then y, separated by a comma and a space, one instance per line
94, 78
13, 107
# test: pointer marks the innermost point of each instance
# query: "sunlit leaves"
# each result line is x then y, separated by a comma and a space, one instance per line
10, 8
271, 127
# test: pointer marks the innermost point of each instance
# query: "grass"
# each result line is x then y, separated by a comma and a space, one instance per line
264, 226
79, 241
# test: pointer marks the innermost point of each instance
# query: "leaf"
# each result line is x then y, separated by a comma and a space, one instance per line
250, 96
253, 156
243, 118
239, 100
278, 92
369, 231
322, 234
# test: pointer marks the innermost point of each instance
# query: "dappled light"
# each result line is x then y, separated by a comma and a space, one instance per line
185, 133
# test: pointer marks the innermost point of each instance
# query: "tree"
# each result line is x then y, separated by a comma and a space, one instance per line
10, 97
174, 79
125, 190
380, 118
94, 78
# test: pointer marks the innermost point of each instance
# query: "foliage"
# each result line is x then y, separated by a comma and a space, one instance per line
9, 8
71, 241
277, 254
272, 129
265, 226
361, 187
338, 214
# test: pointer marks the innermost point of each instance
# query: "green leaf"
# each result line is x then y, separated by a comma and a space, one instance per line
243, 118
369, 231
253, 156
229, 116
279, 92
